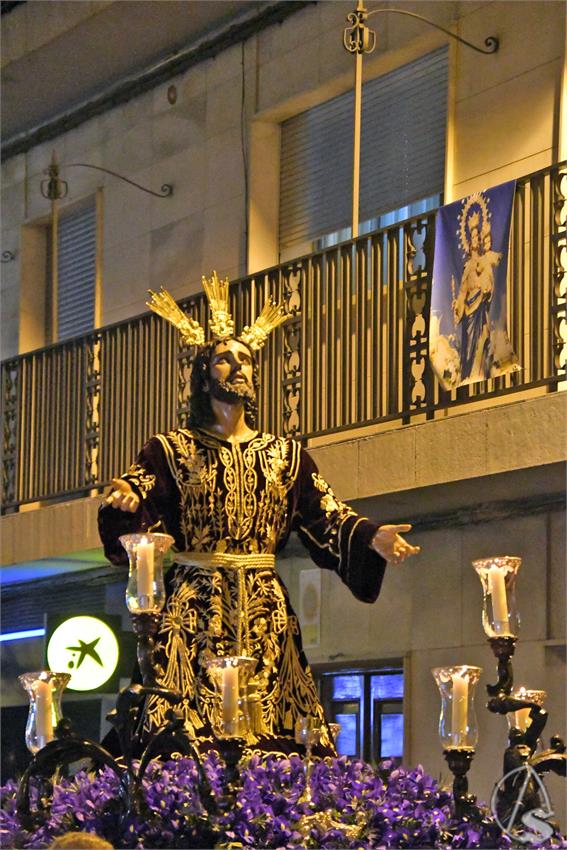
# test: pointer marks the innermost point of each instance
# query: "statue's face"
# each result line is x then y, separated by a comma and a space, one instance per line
231, 372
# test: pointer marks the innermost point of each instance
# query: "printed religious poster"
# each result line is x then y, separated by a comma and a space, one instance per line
468, 338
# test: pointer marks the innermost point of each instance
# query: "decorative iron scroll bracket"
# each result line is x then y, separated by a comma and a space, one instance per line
54, 188
492, 42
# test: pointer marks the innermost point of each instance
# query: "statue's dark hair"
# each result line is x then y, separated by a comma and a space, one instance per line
200, 411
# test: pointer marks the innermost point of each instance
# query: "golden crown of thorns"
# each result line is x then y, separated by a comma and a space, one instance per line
221, 323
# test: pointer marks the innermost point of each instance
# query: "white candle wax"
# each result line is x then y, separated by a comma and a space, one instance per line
145, 568
230, 698
497, 590
44, 712
459, 709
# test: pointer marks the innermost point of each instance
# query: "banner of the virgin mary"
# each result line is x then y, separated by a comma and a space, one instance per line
468, 332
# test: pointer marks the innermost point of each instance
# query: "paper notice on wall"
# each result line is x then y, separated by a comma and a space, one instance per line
310, 607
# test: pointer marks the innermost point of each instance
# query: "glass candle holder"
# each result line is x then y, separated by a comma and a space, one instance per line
520, 719
498, 578
45, 690
145, 592
458, 729
230, 675
308, 731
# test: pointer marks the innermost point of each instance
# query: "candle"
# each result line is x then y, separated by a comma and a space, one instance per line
497, 590
145, 567
44, 713
459, 709
230, 698
522, 715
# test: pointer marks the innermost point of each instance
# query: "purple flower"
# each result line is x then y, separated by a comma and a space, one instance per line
355, 806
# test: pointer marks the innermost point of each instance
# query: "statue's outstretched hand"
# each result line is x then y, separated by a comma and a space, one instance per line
389, 543
122, 496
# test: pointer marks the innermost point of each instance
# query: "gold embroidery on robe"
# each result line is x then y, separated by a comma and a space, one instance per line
143, 480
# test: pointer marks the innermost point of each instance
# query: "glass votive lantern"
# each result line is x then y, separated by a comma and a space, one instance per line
45, 690
230, 675
520, 719
498, 578
458, 729
145, 591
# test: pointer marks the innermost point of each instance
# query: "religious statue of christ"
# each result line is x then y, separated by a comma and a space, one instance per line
230, 495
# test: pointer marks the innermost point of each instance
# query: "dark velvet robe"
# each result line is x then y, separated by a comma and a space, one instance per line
245, 498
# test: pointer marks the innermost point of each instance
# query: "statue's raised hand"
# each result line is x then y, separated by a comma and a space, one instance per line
389, 543
122, 496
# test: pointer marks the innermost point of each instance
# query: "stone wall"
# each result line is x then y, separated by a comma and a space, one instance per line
503, 122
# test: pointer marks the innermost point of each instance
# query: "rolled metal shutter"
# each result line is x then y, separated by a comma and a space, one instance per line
404, 116
77, 272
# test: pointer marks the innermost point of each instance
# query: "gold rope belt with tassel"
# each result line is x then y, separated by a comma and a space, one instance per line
225, 559
239, 564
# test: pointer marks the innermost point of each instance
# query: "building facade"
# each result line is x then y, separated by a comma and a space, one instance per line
242, 132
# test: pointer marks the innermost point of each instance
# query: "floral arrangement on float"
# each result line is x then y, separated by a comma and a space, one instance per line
353, 805
171, 797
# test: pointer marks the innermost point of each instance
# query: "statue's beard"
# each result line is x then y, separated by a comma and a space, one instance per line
231, 393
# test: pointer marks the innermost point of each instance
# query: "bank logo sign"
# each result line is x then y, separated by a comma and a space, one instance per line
86, 647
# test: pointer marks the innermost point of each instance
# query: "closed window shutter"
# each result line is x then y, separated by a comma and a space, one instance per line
77, 272
402, 151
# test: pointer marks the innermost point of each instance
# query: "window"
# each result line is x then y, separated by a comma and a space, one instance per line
404, 117
368, 705
73, 296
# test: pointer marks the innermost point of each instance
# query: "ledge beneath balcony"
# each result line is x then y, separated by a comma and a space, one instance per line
459, 460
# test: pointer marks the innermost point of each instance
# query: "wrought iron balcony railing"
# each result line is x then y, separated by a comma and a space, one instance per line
355, 352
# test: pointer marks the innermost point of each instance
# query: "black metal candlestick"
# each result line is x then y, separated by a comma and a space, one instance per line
520, 789
459, 762
145, 627
503, 649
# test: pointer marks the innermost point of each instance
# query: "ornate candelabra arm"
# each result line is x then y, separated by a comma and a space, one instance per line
169, 739
48, 761
503, 649
538, 719
173, 738
529, 736
145, 627
459, 762
124, 718
552, 760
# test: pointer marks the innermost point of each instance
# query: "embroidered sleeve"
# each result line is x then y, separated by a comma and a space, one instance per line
150, 478
140, 479
336, 537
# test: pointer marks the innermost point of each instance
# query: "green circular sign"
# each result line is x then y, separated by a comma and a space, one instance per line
85, 647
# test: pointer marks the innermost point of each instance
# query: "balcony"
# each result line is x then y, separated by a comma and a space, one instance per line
354, 354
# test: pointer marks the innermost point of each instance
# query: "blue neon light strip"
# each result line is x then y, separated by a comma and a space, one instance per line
30, 633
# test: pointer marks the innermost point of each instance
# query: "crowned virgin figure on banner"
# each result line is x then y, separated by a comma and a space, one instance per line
468, 338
